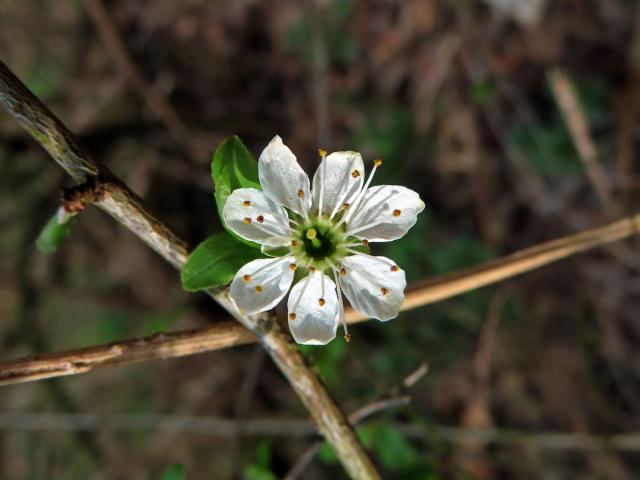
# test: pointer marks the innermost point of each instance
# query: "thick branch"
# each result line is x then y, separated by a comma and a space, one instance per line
229, 334
128, 209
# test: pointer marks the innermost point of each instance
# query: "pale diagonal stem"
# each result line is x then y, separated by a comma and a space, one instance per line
230, 334
129, 209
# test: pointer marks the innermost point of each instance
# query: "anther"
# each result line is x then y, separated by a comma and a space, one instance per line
396, 213
347, 337
246, 278
247, 220
377, 162
321, 302
343, 272
365, 242
384, 291
312, 269
293, 266
294, 243
300, 193
246, 203
292, 316
260, 219
355, 174
394, 268
345, 205
322, 152
259, 288
311, 233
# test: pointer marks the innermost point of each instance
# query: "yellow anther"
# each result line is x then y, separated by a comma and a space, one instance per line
259, 288
355, 174
377, 162
343, 272
394, 268
321, 302
246, 203
292, 316
384, 291
311, 233
322, 152
293, 267
246, 278
247, 220
396, 213
300, 194
260, 219
347, 337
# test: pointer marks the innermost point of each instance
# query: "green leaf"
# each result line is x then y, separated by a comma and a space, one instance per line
53, 234
215, 261
233, 167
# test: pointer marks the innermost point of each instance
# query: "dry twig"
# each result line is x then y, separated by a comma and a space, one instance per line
127, 208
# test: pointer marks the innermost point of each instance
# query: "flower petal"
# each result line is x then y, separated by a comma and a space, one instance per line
282, 178
385, 213
340, 174
253, 216
261, 284
314, 311
374, 285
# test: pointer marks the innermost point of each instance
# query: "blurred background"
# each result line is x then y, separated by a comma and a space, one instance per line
460, 99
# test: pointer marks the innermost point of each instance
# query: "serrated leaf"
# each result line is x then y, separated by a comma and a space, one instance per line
233, 167
53, 234
215, 261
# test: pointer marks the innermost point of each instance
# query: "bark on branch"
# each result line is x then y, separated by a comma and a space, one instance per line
126, 207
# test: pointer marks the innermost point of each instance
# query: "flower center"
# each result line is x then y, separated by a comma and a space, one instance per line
319, 243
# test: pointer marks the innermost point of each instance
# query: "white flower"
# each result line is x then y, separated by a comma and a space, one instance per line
317, 228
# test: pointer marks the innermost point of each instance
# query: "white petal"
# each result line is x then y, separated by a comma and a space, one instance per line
252, 215
314, 324
282, 178
343, 174
385, 213
261, 284
374, 285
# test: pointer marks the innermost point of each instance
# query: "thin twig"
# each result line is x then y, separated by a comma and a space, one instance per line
229, 334
128, 209
565, 95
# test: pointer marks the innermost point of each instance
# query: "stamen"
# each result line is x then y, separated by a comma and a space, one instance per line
292, 316
300, 194
304, 288
323, 176
260, 219
345, 206
343, 320
394, 268
259, 288
247, 220
305, 214
311, 269
396, 213
293, 267
321, 302
246, 278
343, 272
361, 194
294, 243
246, 203
365, 242
384, 291
355, 173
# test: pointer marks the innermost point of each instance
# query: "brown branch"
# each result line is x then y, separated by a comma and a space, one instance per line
128, 209
230, 334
